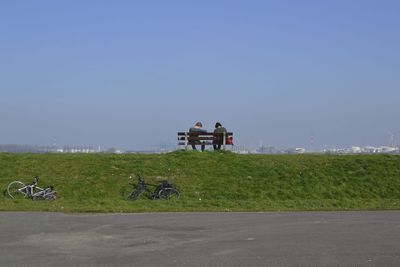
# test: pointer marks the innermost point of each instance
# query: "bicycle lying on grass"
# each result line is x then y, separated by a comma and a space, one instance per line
17, 189
164, 190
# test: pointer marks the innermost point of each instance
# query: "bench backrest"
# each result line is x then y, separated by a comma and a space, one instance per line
201, 136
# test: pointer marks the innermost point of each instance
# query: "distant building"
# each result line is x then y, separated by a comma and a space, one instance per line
364, 150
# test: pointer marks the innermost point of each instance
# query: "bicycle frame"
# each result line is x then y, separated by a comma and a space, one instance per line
32, 189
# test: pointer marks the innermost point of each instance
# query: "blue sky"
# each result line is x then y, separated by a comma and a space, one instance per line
131, 74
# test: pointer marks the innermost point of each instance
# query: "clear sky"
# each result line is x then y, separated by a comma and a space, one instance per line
131, 74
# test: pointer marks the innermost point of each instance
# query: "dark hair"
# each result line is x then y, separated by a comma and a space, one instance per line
218, 125
199, 124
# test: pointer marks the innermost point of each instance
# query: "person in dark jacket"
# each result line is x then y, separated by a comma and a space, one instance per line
219, 133
195, 131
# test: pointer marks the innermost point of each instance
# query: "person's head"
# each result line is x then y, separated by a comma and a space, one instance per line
198, 125
217, 125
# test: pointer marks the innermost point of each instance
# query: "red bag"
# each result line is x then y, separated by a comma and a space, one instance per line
229, 140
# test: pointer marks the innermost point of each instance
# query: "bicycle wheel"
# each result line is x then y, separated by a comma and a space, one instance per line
51, 196
17, 189
168, 193
135, 194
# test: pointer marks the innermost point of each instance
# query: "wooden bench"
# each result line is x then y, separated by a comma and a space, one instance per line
208, 139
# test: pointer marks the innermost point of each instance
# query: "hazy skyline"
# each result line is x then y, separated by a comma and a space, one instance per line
131, 75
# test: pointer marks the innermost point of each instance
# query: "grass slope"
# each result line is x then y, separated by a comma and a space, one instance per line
209, 181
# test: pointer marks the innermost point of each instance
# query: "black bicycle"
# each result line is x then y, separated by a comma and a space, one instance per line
164, 190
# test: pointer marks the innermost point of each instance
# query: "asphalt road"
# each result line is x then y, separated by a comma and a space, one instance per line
200, 239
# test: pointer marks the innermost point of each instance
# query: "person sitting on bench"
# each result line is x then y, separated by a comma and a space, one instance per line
219, 136
195, 131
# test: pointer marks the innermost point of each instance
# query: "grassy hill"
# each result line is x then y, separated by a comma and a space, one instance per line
208, 181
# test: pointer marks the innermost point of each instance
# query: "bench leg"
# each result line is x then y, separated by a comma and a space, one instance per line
224, 142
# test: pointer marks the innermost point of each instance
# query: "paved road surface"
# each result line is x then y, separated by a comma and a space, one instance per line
200, 239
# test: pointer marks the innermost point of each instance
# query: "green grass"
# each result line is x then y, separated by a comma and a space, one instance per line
209, 181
